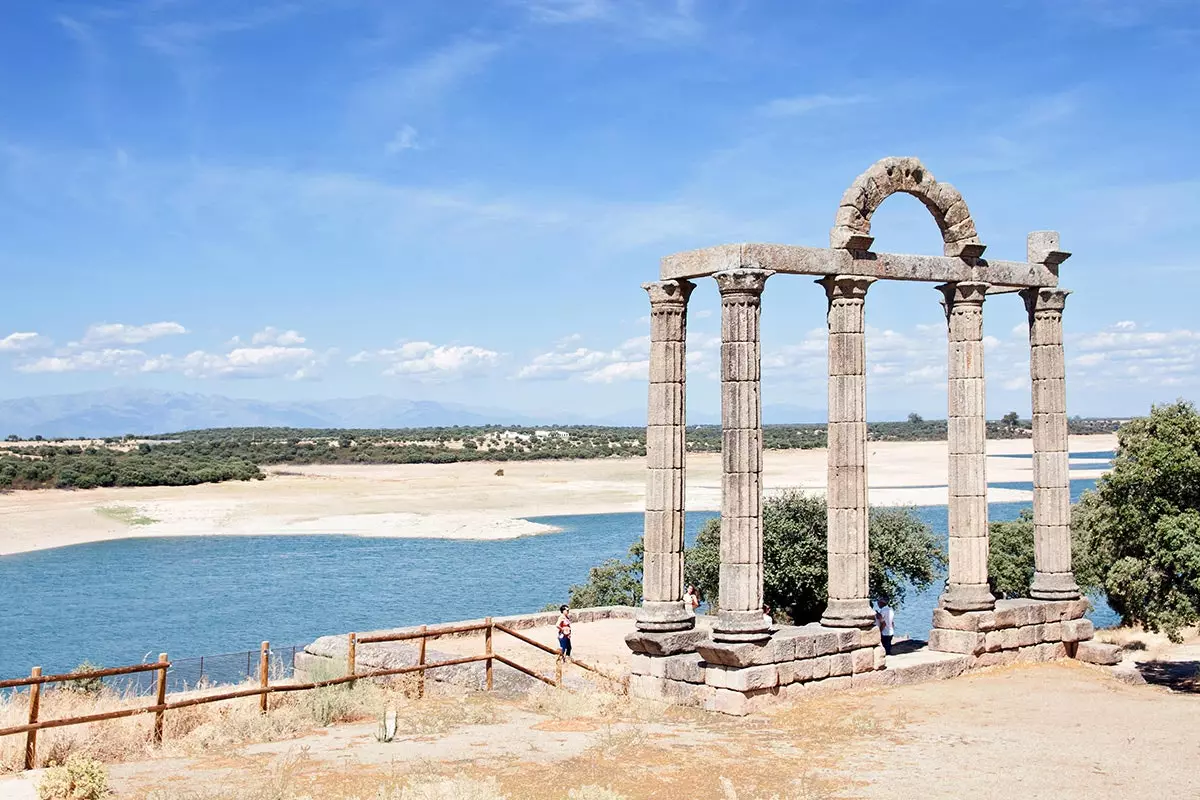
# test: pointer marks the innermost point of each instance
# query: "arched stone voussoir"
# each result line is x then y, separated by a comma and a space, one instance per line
852, 225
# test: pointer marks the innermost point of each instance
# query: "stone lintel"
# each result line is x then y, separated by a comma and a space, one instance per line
820, 261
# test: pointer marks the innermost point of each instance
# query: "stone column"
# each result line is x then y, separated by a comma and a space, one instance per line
741, 577
662, 575
1052, 577
967, 584
849, 604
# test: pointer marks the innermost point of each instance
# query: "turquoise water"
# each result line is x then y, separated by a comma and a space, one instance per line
123, 601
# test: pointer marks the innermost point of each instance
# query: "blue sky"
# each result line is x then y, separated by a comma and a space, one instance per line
294, 199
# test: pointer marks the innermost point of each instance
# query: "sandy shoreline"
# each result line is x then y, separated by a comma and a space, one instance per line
467, 500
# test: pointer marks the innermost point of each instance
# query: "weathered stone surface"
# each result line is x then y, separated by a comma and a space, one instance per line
848, 640
666, 643
669, 691
1004, 639
869, 637
742, 679
820, 667
739, 704
798, 260
1027, 635
686, 667
1077, 630
948, 641
863, 659
1094, 652
996, 659
1050, 632
795, 671
880, 657
952, 621
841, 664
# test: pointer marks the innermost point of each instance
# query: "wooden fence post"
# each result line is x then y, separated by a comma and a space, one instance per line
264, 678
421, 660
558, 672
160, 698
487, 650
35, 701
351, 653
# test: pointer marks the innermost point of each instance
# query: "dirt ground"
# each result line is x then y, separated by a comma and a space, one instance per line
1060, 730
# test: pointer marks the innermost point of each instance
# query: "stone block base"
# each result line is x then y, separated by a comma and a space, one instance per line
743, 677
1098, 653
1019, 630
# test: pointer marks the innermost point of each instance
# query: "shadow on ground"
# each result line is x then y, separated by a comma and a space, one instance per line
907, 646
1179, 676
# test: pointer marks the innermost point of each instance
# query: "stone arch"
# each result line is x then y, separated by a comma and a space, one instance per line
852, 226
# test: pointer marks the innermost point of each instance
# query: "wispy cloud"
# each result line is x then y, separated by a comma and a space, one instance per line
628, 361
23, 342
427, 79
661, 20
805, 104
405, 139
118, 333
425, 361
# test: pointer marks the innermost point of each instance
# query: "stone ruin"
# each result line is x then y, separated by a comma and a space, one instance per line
745, 662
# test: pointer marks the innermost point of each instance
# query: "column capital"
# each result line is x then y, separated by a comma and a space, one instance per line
845, 287
1044, 298
963, 293
674, 292
742, 281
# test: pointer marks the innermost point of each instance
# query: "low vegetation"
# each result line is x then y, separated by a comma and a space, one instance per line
224, 454
904, 555
1136, 537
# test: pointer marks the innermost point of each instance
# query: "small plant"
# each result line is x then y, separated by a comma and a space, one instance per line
500, 473
90, 686
80, 778
387, 726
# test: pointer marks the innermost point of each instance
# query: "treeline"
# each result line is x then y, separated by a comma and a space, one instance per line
73, 467
221, 454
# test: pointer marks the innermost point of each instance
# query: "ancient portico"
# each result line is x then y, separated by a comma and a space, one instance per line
744, 658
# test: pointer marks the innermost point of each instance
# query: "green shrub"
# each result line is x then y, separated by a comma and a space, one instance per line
92, 686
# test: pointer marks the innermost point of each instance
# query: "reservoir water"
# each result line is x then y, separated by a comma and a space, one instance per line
124, 601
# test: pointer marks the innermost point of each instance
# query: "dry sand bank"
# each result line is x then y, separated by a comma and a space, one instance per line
464, 500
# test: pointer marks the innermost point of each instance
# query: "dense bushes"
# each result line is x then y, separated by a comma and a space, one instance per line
75, 468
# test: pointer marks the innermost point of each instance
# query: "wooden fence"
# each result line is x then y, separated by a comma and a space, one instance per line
36, 679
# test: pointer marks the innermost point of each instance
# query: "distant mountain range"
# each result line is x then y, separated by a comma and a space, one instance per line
116, 412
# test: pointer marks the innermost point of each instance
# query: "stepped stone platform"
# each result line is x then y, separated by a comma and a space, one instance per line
1020, 630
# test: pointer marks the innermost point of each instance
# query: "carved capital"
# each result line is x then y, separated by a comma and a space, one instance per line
742, 282
1044, 299
674, 292
845, 287
963, 293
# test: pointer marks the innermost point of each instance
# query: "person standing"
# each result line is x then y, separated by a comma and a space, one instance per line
564, 633
885, 617
691, 599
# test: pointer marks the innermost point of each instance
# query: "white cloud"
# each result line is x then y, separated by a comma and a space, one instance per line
22, 342
1126, 354
272, 335
803, 104
116, 360
629, 361
664, 20
270, 361
430, 362
118, 333
405, 139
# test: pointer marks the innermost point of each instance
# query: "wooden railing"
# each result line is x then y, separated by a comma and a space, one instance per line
36, 679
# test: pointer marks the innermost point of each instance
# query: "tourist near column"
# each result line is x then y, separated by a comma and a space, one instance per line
849, 604
740, 618
663, 608
966, 434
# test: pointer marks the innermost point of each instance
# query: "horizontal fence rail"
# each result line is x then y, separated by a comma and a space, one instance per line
269, 663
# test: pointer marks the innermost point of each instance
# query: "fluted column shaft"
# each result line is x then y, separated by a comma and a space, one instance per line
1053, 578
849, 603
662, 573
967, 584
741, 575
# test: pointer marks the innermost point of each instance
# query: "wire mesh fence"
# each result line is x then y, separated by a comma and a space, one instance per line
196, 673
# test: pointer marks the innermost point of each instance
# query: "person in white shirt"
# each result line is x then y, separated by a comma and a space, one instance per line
691, 599
885, 617
767, 619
